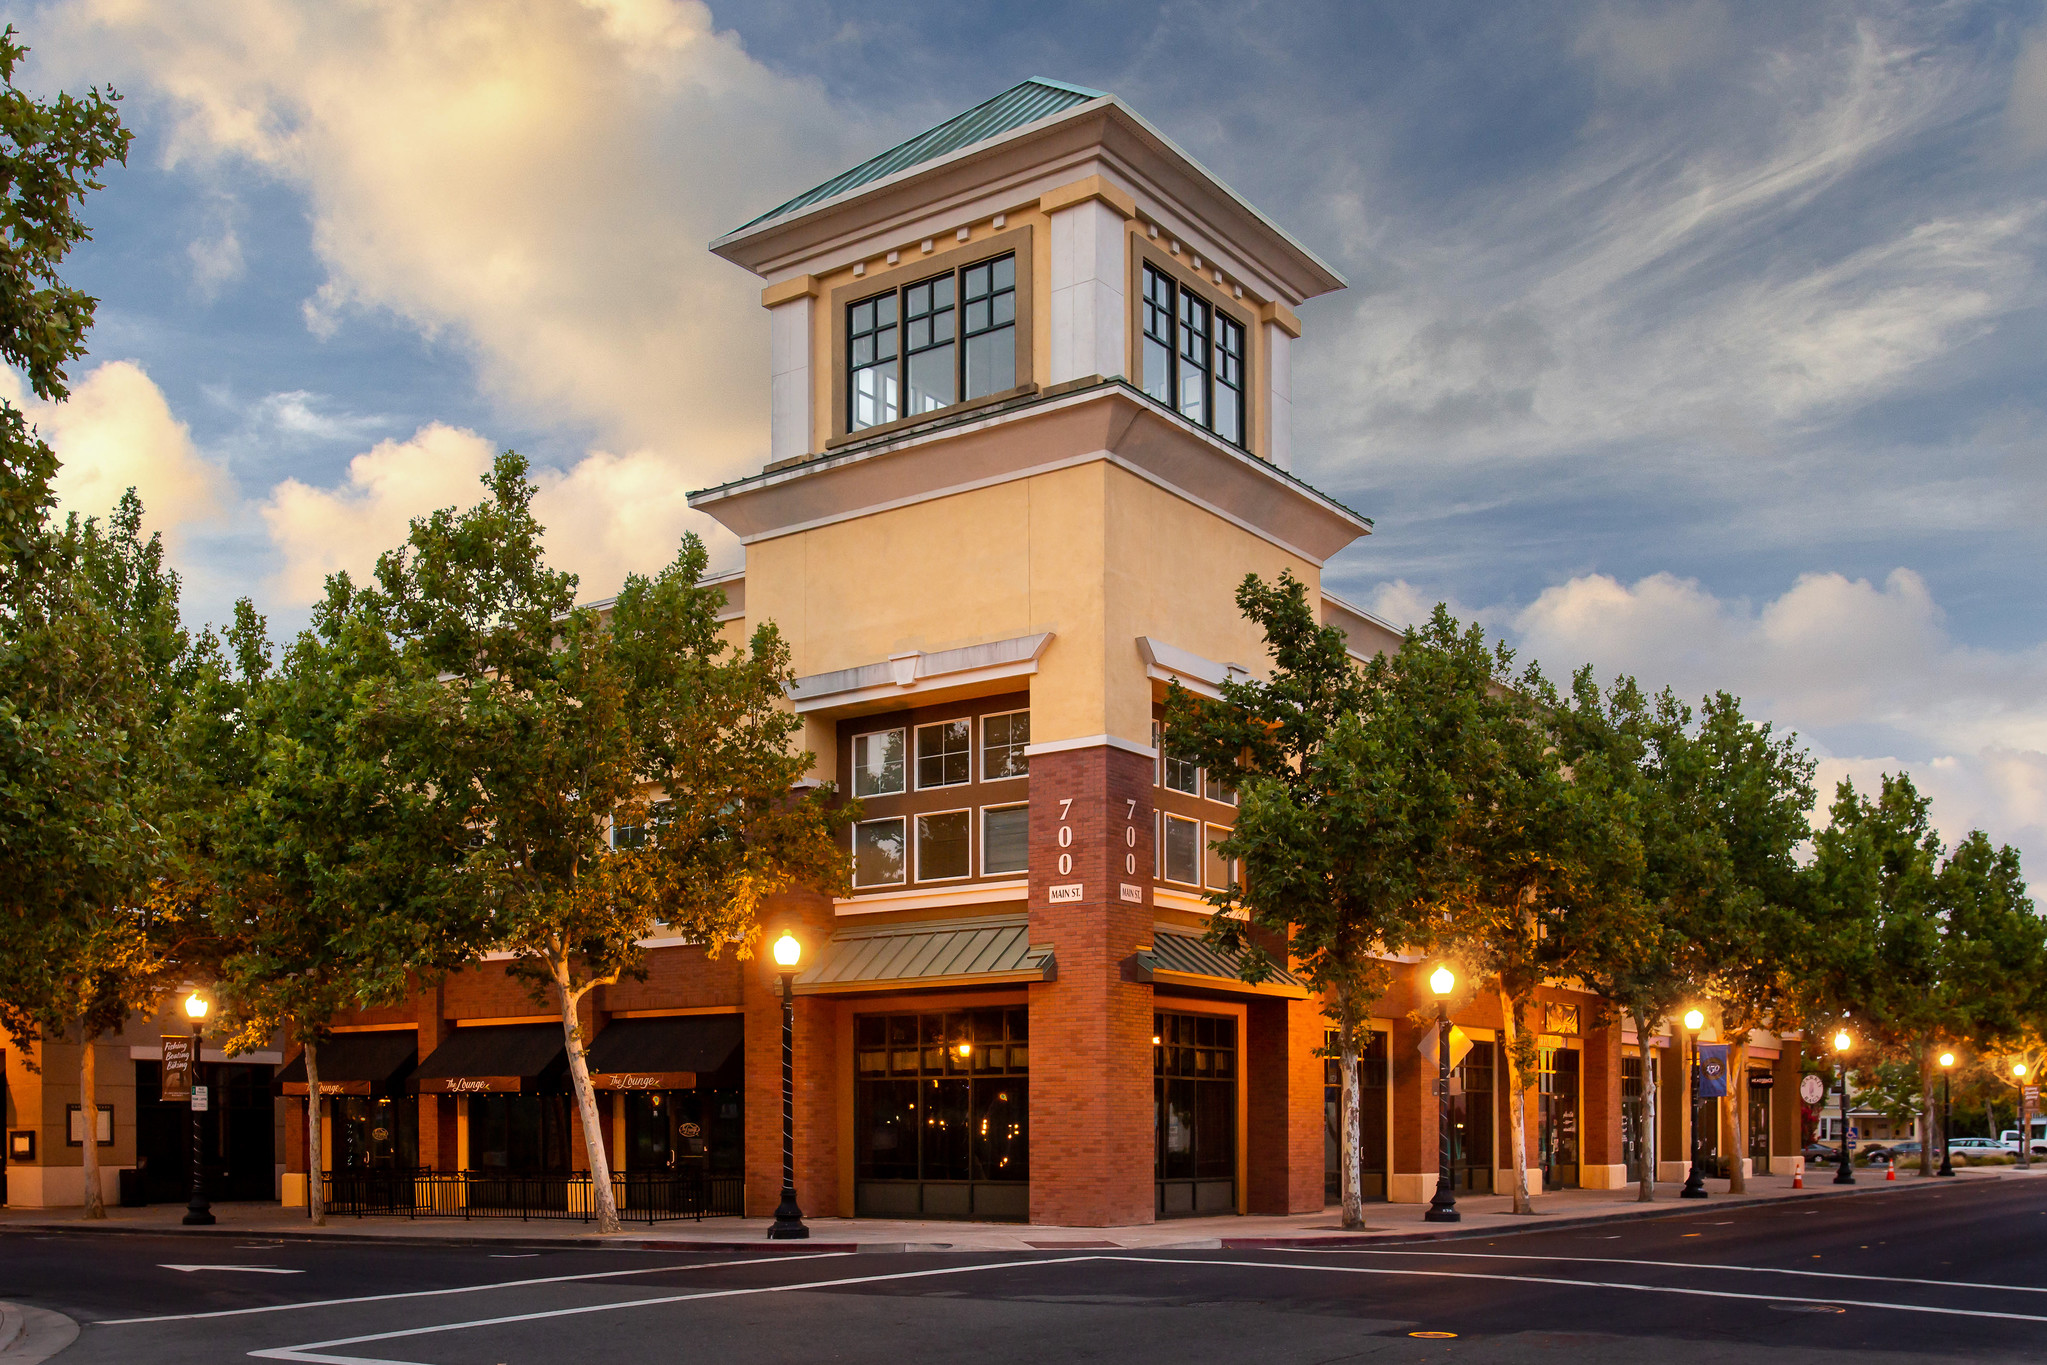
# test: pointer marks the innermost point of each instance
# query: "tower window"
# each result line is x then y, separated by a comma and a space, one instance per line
1192, 356
956, 341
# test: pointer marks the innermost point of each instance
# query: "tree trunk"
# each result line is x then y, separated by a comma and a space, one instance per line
1737, 1111
89, 1118
586, 1106
316, 1161
1517, 1118
1926, 1133
1351, 1141
1646, 1176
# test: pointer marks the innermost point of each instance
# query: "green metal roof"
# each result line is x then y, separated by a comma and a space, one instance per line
1035, 99
1189, 955
979, 951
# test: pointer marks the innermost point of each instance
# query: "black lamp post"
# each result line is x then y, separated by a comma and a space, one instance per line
198, 1213
1443, 1207
1947, 1112
1695, 1179
788, 1217
1842, 1042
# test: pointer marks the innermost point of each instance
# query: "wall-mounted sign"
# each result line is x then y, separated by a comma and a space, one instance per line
643, 1080
1812, 1089
1063, 895
1130, 893
74, 1126
177, 1068
469, 1085
21, 1144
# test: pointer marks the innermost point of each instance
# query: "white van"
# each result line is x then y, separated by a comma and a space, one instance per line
2010, 1137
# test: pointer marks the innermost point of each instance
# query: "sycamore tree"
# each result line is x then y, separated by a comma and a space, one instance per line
1746, 938
567, 720
96, 667
1631, 945
1539, 848
338, 833
1349, 779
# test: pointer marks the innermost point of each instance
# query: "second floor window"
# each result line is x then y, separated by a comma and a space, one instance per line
1193, 356
946, 339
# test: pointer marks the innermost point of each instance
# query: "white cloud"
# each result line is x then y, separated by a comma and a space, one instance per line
536, 177
609, 516
116, 432
2026, 108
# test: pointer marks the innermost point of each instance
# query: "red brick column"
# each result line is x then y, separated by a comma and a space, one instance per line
1093, 1149
1284, 1081
809, 917
435, 1154
1414, 1154
1599, 1124
1785, 1138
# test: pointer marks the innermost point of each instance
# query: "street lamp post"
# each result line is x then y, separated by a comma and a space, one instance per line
788, 1217
1695, 1179
198, 1213
2018, 1071
1842, 1042
1947, 1112
1443, 1208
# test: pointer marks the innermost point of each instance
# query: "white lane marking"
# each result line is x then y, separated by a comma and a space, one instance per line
461, 1289
310, 1351
1594, 1284
245, 1269
1689, 1265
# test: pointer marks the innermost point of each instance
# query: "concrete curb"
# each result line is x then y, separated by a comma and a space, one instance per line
1537, 1223
12, 1325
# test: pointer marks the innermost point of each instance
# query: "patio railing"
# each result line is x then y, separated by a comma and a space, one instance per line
642, 1196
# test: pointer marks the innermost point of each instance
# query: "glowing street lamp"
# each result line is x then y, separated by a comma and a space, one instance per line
1695, 1179
198, 1212
1947, 1111
1842, 1042
789, 1225
1443, 1207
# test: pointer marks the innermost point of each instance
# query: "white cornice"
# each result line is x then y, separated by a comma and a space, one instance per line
916, 674
937, 897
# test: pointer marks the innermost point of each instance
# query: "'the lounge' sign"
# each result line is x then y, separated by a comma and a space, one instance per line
644, 1080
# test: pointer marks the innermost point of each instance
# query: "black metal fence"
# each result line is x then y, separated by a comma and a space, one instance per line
642, 1196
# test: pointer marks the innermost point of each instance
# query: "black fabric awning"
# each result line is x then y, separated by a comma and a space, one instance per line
667, 1053
357, 1063
494, 1059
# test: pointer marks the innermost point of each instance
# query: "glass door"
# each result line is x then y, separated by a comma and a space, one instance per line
1760, 1087
1373, 1080
1194, 1087
1557, 1131
1471, 1121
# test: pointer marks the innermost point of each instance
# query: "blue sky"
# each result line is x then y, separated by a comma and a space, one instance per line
1699, 340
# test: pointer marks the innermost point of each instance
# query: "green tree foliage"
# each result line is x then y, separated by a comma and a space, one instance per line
51, 156
337, 834
94, 666
567, 720
1349, 780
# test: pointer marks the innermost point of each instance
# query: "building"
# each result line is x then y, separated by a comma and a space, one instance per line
145, 1142
1032, 424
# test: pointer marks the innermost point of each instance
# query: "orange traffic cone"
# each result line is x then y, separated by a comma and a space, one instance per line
1798, 1178
1891, 1171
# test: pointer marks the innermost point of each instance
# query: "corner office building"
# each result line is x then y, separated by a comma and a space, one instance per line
1032, 424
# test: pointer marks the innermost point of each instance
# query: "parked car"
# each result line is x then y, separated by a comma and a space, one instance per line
2010, 1138
1903, 1151
1820, 1151
1977, 1144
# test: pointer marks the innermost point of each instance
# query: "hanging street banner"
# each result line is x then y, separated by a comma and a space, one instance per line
177, 1068
1712, 1070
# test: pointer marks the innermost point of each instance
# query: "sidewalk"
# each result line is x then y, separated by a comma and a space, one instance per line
1483, 1215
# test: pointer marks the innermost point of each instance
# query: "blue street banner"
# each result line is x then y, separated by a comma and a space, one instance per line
1712, 1070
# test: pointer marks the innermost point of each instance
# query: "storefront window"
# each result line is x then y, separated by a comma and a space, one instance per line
1194, 1088
1372, 1083
519, 1134
680, 1130
942, 1114
1557, 1134
1761, 1083
1632, 1116
378, 1133
1471, 1121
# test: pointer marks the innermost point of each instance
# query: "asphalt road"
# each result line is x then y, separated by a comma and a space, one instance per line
1954, 1273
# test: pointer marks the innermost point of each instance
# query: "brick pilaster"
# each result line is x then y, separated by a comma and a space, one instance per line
1092, 1143
809, 916
1600, 1076
1284, 1080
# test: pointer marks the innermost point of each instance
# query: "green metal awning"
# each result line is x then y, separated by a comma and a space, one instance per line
986, 951
1182, 959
